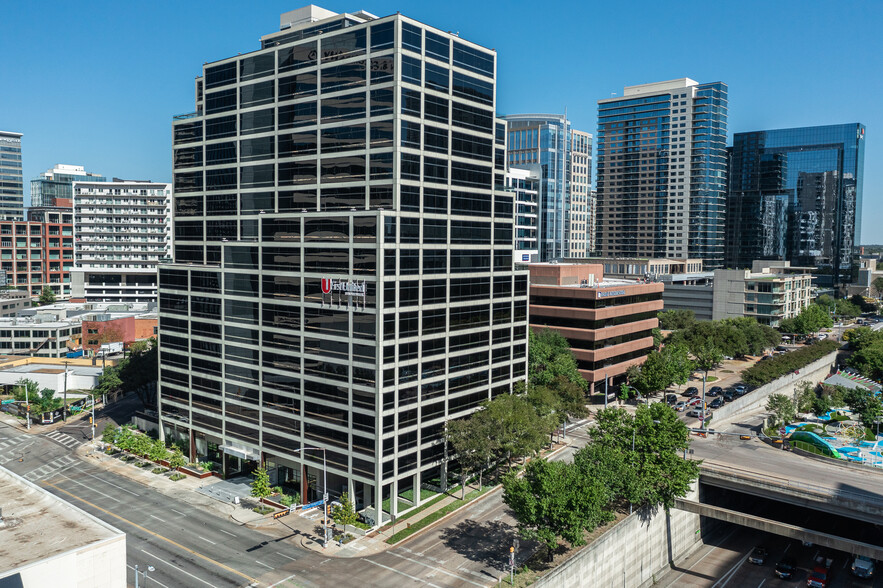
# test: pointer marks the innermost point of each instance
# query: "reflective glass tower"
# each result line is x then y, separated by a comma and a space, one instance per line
343, 279
796, 194
561, 156
661, 172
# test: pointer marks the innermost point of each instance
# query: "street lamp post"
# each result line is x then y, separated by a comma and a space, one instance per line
27, 409
324, 491
64, 406
137, 573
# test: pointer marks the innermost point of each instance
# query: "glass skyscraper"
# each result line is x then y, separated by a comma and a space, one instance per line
343, 276
661, 172
12, 199
796, 194
54, 187
561, 156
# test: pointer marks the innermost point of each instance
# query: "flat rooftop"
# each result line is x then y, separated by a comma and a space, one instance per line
46, 368
38, 525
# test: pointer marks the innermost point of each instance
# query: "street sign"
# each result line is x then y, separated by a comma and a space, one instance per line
325, 497
311, 505
782, 431
9, 401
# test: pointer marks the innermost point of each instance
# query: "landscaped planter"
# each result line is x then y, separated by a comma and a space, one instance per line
273, 503
195, 473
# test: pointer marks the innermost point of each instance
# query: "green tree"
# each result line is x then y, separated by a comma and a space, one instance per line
663, 368
550, 358
862, 337
868, 360
846, 308
157, 451
878, 286
782, 407
260, 486
47, 296
811, 319
47, 401
821, 404
673, 320
804, 395
26, 389
519, 431
344, 513
177, 460
474, 443
659, 437
707, 357
864, 403
863, 304
109, 434
109, 381
555, 500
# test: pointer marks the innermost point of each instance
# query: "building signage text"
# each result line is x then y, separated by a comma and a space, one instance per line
611, 293
348, 292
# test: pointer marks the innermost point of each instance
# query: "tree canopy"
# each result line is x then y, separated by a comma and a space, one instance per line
661, 369
549, 358
734, 337
864, 403
673, 320
782, 407
47, 296
811, 319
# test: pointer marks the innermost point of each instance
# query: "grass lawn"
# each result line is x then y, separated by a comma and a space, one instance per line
428, 520
711, 379
424, 495
402, 505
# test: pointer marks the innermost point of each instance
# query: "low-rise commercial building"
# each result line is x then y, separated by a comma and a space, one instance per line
608, 322
46, 541
13, 301
113, 328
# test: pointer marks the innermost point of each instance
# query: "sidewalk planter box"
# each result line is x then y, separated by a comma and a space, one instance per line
273, 503
195, 473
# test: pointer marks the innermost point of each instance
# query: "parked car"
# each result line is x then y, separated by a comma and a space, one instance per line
691, 391
862, 567
729, 395
785, 569
758, 556
740, 389
715, 391
680, 406
694, 401
671, 399
820, 574
781, 348
698, 413
716, 403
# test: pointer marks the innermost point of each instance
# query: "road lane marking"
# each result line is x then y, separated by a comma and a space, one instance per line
110, 483
263, 564
180, 569
437, 569
731, 573
152, 580
157, 518
285, 556
280, 582
206, 540
157, 535
787, 547
722, 541
178, 511
402, 573
761, 583
84, 486
226, 532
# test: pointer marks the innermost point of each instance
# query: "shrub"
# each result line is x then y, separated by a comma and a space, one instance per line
289, 499
263, 509
159, 470
177, 476
766, 371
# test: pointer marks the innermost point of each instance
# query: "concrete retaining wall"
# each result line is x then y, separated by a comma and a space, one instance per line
815, 372
633, 553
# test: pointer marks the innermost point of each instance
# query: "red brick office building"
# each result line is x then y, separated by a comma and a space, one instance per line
608, 323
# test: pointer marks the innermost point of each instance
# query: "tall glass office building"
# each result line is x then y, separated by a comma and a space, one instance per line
796, 194
561, 156
661, 172
343, 275
55, 187
12, 196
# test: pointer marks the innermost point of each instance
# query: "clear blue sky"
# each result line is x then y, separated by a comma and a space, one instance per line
97, 83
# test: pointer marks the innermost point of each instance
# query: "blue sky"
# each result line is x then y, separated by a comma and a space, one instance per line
97, 83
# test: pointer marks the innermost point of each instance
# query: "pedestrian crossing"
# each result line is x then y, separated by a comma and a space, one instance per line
63, 439
51, 468
11, 448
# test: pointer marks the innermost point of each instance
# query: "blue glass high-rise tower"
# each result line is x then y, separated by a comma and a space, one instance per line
661, 177
796, 194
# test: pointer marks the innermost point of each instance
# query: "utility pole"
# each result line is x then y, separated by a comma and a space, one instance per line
605, 389
64, 406
27, 409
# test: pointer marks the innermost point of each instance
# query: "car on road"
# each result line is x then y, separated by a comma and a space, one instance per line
715, 391
729, 395
818, 578
671, 399
862, 567
785, 568
691, 391
680, 406
758, 556
740, 389
781, 349
716, 403
694, 402
698, 413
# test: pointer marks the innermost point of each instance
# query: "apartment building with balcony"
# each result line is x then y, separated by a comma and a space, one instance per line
770, 291
608, 322
122, 232
37, 254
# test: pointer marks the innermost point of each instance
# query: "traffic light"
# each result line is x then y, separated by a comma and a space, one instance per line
90, 420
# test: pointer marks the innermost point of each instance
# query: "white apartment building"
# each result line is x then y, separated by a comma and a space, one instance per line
121, 232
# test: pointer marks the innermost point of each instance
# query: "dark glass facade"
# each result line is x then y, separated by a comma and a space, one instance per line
661, 172
343, 273
11, 187
796, 194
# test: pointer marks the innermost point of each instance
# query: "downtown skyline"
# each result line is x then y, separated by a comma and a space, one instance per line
80, 99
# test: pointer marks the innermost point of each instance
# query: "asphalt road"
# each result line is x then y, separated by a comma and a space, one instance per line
722, 563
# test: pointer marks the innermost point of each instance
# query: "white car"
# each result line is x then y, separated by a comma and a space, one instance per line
697, 413
680, 406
